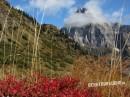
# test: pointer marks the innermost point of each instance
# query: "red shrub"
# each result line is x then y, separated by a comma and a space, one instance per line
44, 87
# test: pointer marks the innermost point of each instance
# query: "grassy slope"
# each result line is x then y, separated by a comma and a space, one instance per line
18, 45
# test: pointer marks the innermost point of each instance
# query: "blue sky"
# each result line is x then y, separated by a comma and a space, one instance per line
56, 13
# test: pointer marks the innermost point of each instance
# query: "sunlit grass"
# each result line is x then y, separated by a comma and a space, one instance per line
92, 70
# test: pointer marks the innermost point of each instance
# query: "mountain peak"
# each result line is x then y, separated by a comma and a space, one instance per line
81, 10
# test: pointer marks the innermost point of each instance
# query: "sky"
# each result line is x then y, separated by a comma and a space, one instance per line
61, 12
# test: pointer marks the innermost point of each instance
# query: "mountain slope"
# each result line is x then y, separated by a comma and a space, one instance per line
23, 42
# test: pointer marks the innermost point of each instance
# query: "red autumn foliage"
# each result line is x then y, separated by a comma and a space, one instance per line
41, 86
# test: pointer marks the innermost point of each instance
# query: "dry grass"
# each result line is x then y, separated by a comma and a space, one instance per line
89, 70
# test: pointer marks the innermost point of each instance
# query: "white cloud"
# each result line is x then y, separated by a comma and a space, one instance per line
116, 16
52, 6
19, 7
94, 14
72, 10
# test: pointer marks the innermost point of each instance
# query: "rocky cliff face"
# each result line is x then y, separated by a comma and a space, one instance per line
99, 35
92, 35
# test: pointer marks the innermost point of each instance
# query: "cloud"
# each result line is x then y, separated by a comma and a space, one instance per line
94, 14
52, 6
19, 7
116, 16
72, 10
